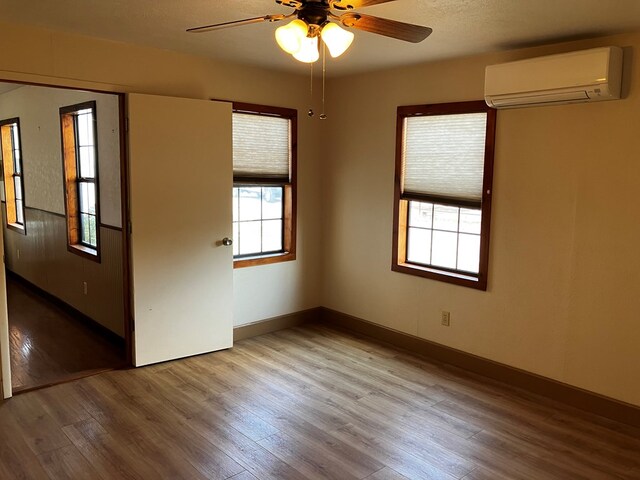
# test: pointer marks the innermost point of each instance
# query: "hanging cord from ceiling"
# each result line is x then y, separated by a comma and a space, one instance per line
311, 113
323, 115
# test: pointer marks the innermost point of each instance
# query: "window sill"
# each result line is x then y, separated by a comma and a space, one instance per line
441, 275
16, 227
86, 252
264, 260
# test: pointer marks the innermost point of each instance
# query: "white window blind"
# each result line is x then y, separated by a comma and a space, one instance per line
443, 157
261, 147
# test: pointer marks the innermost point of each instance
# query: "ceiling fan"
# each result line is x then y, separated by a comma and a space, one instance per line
315, 19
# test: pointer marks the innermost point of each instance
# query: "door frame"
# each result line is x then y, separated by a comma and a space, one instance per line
87, 86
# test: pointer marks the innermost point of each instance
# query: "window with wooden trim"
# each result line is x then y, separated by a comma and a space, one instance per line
264, 184
80, 163
443, 181
12, 174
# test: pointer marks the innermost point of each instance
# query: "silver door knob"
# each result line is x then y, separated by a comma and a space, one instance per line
226, 241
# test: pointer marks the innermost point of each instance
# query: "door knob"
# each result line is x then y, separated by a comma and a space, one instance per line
226, 241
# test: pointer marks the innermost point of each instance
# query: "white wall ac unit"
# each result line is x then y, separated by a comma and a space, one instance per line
584, 76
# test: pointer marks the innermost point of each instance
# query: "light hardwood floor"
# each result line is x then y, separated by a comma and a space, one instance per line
48, 344
310, 402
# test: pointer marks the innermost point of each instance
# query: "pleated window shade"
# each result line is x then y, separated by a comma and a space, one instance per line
443, 158
261, 147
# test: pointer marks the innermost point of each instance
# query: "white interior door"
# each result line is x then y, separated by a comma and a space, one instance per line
180, 162
5, 361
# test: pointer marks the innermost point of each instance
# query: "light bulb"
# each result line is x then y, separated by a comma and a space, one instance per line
308, 53
291, 35
336, 39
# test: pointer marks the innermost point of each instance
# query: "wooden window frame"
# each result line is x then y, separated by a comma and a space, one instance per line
289, 188
401, 203
9, 172
70, 158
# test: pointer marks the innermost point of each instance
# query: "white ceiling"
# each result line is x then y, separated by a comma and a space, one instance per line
460, 27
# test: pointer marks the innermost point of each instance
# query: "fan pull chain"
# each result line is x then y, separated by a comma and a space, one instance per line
323, 115
310, 112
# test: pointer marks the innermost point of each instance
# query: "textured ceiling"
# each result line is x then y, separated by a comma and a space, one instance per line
460, 27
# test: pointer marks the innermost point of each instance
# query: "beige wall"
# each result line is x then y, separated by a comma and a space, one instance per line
562, 299
563, 281
38, 55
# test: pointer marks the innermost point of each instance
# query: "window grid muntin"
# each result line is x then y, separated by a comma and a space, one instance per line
90, 237
17, 220
17, 174
432, 230
236, 223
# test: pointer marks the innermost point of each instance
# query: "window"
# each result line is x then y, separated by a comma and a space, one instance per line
444, 170
264, 184
79, 152
12, 172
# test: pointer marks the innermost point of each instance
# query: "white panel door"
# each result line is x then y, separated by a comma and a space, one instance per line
180, 167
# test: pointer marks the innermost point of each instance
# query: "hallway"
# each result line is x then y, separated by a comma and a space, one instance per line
50, 345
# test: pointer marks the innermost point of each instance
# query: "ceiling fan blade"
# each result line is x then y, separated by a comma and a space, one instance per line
236, 23
353, 4
388, 28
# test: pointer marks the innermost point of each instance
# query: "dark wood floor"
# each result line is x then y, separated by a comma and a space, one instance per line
311, 402
49, 345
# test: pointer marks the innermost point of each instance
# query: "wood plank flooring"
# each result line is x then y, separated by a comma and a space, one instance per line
305, 403
49, 345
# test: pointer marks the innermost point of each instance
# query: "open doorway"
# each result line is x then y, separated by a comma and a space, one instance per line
62, 224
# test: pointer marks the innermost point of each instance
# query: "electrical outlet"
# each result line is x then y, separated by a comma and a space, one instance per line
84, 287
446, 319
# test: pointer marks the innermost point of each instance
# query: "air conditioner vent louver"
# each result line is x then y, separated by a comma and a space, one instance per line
584, 76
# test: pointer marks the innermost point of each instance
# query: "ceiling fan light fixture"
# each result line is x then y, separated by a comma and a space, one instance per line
290, 37
337, 39
308, 53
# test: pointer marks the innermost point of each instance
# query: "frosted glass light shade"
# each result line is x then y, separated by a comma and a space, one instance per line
291, 36
336, 39
308, 53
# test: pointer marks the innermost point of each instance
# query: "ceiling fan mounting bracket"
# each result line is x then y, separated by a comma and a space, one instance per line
314, 13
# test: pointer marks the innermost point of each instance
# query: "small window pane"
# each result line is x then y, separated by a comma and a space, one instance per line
469, 253
236, 239
87, 162
271, 202
250, 203
87, 193
470, 220
85, 128
250, 238
419, 246
85, 235
271, 235
445, 218
443, 252
235, 205
17, 164
16, 137
19, 212
17, 185
93, 228
420, 214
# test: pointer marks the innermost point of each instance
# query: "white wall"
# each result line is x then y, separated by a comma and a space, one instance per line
39, 55
563, 278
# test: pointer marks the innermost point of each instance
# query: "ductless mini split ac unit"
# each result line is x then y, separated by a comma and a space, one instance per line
583, 76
